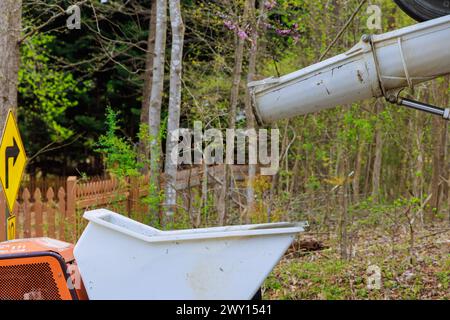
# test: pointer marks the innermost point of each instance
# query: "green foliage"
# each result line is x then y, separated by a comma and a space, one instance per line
120, 155
46, 92
155, 196
444, 275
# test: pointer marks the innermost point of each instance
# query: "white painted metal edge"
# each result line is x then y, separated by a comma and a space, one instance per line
98, 217
422, 28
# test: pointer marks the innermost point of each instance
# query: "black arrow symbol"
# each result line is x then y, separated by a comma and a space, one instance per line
10, 152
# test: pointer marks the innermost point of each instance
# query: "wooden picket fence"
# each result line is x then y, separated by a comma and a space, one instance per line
58, 213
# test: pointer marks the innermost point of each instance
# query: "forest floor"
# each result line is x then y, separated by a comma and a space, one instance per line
323, 275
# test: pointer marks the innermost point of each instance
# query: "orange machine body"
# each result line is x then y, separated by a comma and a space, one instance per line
39, 269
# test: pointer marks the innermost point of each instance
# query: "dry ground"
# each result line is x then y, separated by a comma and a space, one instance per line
323, 275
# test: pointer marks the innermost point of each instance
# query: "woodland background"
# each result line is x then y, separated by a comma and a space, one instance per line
371, 178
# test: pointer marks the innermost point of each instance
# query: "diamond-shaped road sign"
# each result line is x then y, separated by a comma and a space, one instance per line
12, 160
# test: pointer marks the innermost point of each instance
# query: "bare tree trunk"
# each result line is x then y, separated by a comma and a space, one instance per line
444, 142
204, 200
176, 60
234, 97
295, 176
357, 175
273, 186
154, 113
439, 133
148, 78
368, 169
10, 28
436, 130
444, 160
419, 155
251, 122
376, 174
343, 219
446, 146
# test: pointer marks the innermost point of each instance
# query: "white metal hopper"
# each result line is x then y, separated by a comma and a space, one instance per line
120, 258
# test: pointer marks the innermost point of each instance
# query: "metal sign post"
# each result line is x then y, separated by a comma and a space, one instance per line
10, 225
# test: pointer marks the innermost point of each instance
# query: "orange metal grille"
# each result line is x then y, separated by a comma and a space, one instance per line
38, 278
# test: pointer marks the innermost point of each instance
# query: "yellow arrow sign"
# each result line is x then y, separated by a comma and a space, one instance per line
12, 160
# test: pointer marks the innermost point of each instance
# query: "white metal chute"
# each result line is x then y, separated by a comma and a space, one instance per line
375, 66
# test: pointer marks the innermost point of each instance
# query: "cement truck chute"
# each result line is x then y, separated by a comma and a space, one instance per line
379, 65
